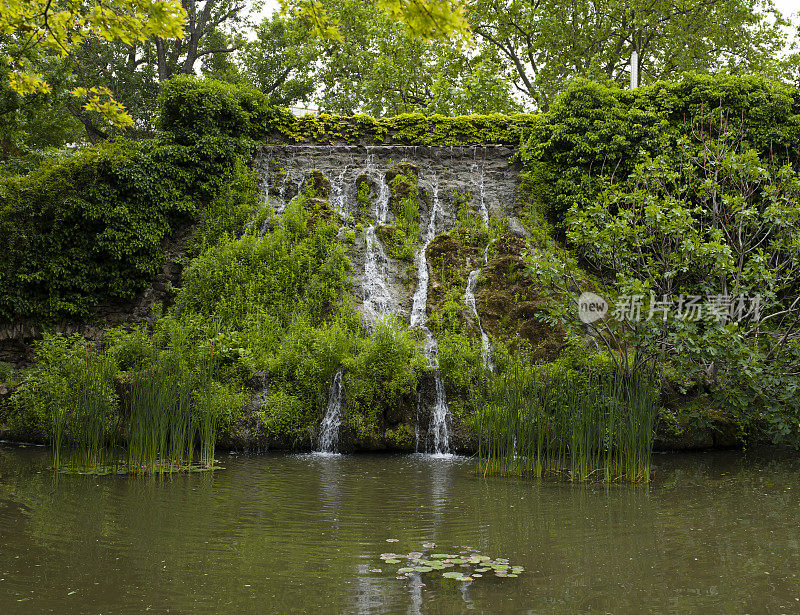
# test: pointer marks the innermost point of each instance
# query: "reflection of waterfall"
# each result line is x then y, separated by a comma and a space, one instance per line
440, 415
469, 300
329, 429
376, 294
415, 592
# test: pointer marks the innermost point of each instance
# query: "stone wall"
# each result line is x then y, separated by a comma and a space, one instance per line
483, 175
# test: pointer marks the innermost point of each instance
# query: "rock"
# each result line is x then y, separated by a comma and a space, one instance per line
402, 168
258, 382
319, 183
515, 227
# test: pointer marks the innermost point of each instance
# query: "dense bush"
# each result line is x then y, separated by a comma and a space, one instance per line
88, 228
596, 130
190, 108
684, 189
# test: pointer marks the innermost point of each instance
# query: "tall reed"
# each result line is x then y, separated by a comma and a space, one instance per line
169, 413
83, 429
581, 425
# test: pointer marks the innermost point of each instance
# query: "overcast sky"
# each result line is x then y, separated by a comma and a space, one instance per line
786, 6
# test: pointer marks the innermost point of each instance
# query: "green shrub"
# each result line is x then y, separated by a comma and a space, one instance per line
386, 367
595, 130
86, 229
69, 384
190, 106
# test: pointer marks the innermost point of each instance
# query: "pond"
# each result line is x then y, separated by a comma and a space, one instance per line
714, 532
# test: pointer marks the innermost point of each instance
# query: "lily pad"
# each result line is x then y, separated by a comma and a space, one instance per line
452, 575
429, 545
405, 570
422, 568
392, 561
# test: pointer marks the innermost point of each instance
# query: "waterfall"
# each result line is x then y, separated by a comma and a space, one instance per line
440, 420
382, 204
472, 280
285, 180
338, 193
440, 416
474, 168
329, 429
420, 304
485, 172
376, 294
469, 300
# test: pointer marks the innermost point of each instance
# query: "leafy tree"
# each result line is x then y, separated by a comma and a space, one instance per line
58, 27
549, 41
376, 64
698, 253
425, 19
280, 61
206, 19
133, 70
32, 123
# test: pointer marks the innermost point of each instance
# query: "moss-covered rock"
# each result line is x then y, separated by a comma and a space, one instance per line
510, 302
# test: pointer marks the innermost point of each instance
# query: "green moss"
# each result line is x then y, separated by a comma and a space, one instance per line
401, 437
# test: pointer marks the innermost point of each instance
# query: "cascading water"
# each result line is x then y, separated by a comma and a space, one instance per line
469, 300
338, 194
419, 307
472, 280
377, 299
440, 420
485, 172
329, 429
382, 204
438, 431
481, 187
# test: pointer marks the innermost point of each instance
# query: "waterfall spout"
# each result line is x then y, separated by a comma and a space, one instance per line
329, 429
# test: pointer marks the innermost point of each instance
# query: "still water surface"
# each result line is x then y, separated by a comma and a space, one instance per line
713, 533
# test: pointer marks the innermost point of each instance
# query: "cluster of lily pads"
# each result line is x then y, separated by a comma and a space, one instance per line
469, 563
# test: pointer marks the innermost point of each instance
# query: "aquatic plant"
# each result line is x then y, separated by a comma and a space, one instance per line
469, 562
171, 404
584, 425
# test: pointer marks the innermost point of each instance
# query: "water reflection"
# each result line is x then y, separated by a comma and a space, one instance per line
713, 533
